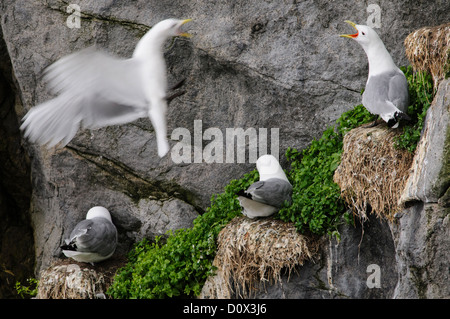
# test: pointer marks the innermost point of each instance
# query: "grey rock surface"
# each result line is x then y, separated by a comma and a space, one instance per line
430, 178
422, 233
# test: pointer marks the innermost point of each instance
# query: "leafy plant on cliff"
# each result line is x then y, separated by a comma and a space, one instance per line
27, 291
421, 95
316, 203
181, 265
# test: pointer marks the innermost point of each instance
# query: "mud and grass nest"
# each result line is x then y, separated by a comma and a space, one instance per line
428, 49
254, 252
373, 173
68, 279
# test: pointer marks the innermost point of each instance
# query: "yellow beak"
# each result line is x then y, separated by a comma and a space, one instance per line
185, 34
351, 36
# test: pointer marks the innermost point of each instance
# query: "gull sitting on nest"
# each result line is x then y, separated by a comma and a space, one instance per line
93, 239
268, 195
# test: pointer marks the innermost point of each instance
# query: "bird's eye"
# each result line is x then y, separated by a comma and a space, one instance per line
174, 26
363, 33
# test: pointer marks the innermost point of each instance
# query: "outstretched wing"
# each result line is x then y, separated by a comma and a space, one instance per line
95, 90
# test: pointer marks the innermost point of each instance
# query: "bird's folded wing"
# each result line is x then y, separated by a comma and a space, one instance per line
398, 91
272, 192
386, 93
100, 237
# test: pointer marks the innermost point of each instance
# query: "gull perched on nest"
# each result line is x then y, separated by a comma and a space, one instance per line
268, 195
386, 92
96, 90
93, 239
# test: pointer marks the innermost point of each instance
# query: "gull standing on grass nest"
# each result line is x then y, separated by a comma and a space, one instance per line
386, 92
97, 90
268, 195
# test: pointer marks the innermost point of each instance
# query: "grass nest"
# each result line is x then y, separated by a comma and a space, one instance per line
428, 49
253, 252
68, 279
373, 173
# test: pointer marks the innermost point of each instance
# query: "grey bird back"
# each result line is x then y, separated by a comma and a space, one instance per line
390, 86
273, 192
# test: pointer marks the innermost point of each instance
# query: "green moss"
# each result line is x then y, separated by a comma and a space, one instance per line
421, 95
27, 291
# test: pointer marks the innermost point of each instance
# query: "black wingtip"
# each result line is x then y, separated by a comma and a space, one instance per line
70, 246
243, 194
404, 116
397, 117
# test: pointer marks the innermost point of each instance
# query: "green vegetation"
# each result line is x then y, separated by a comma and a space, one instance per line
27, 291
421, 95
180, 265
316, 203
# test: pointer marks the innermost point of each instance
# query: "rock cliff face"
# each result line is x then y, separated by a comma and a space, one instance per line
250, 64
422, 234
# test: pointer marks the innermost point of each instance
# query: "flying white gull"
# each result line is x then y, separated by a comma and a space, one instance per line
386, 92
268, 195
96, 90
93, 239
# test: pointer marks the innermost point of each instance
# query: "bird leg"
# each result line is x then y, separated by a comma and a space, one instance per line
373, 124
176, 94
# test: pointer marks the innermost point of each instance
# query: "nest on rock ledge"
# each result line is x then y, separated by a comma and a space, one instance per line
68, 279
428, 49
252, 252
373, 173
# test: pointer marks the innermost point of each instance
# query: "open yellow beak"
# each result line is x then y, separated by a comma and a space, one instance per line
351, 36
185, 34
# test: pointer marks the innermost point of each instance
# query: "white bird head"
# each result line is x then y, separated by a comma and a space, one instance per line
379, 58
98, 211
269, 167
153, 40
365, 35
171, 28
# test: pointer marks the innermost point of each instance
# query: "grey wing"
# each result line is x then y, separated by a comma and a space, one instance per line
272, 192
376, 94
398, 91
91, 72
97, 235
94, 89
